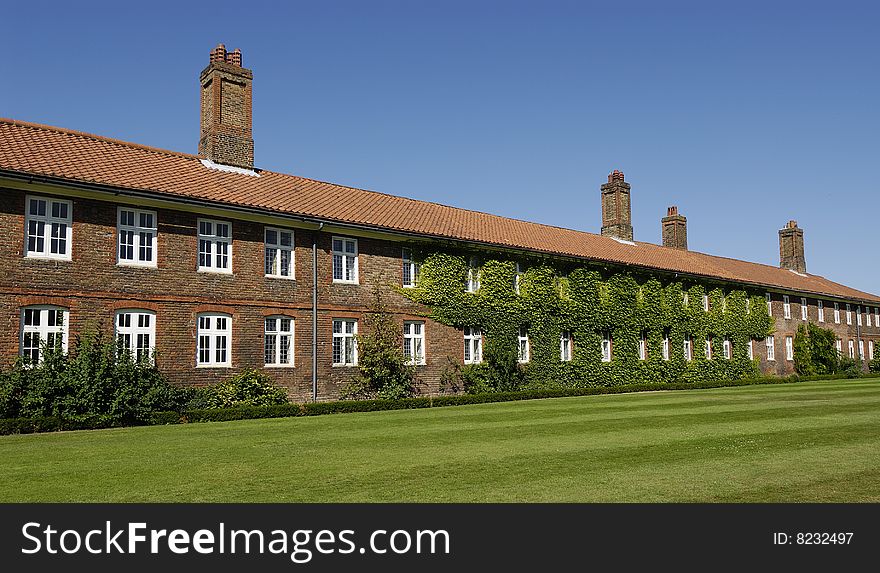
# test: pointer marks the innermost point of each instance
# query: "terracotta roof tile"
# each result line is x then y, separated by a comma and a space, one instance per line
50, 151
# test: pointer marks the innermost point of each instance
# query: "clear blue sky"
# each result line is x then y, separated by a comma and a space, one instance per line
744, 114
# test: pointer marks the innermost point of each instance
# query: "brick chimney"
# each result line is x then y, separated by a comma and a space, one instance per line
616, 218
675, 229
791, 248
226, 135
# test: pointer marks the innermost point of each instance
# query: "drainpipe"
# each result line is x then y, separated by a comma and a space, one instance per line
315, 312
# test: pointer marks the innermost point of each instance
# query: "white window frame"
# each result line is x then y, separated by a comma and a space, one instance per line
688, 348
877, 317
836, 313
565, 346
751, 349
786, 307
643, 346
665, 351
839, 346
804, 309
473, 277
685, 300
49, 223
789, 348
410, 267
770, 342
214, 241
414, 342
705, 303
213, 332
346, 341
139, 242
517, 278
769, 305
708, 349
135, 328
852, 349
522, 346
274, 340
473, 345
861, 349
606, 347
821, 307
43, 329
870, 350
868, 316
347, 259
848, 314
859, 315
273, 254
748, 306
726, 349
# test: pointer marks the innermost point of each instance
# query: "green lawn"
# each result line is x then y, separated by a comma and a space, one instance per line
812, 441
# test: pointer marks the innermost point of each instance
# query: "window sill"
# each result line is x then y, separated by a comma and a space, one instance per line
47, 258
213, 365
138, 265
341, 282
214, 271
293, 278
345, 365
280, 366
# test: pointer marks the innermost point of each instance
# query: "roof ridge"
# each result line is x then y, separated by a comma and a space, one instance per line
66, 131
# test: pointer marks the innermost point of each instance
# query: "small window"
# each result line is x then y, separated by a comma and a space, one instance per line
839, 347
861, 349
789, 348
666, 345
473, 345
748, 306
136, 333
727, 353
643, 346
215, 246
279, 249
688, 348
414, 342
42, 327
852, 351
877, 317
345, 260
804, 309
410, 269
706, 302
709, 347
565, 346
473, 276
517, 278
821, 306
48, 228
771, 349
214, 340
685, 300
522, 340
836, 313
786, 307
870, 350
606, 347
859, 315
868, 316
136, 232
344, 342
769, 305
278, 341
848, 314
751, 350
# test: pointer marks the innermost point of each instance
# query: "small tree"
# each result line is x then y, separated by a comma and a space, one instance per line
814, 351
383, 370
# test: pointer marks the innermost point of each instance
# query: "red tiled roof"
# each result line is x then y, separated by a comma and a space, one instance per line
53, 152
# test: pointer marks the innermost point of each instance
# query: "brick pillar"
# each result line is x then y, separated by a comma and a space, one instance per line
616, 215
675, 231
226, 123
791, 248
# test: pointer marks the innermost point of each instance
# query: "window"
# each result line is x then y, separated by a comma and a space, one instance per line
852, 351
751, 350
685, 300
709, 347
771, 349
414, 342
643, 346
748, 306
522, 345
517, 278
859, 315
473, 345
136, 333
42, 327
868, 316
786, 307
136, 230
344, 342
727, 349
410, 269
804, 309
606, 347
848, 314
214, 336
48, 224
870, 350
279, 253
278, 341
565, 346
789, 349
861, 349
836, 313
215, 239
473, 276
821, 311
839, 347
877, 317
706, 302
666, 345
345, 260
688, 348
769, 305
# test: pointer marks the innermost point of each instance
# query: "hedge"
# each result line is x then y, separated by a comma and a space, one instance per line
51, 424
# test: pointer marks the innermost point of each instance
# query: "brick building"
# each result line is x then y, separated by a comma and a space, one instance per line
217, 265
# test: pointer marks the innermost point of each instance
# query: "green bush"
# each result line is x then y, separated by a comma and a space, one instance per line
247, 388
851, 367
815, 351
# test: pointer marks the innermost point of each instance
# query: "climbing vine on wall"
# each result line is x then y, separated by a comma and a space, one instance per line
588, 302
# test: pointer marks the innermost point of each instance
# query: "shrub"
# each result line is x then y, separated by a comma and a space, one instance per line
247, 388
851, 367
815, 351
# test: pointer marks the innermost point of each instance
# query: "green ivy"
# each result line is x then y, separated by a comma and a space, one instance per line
588, 301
